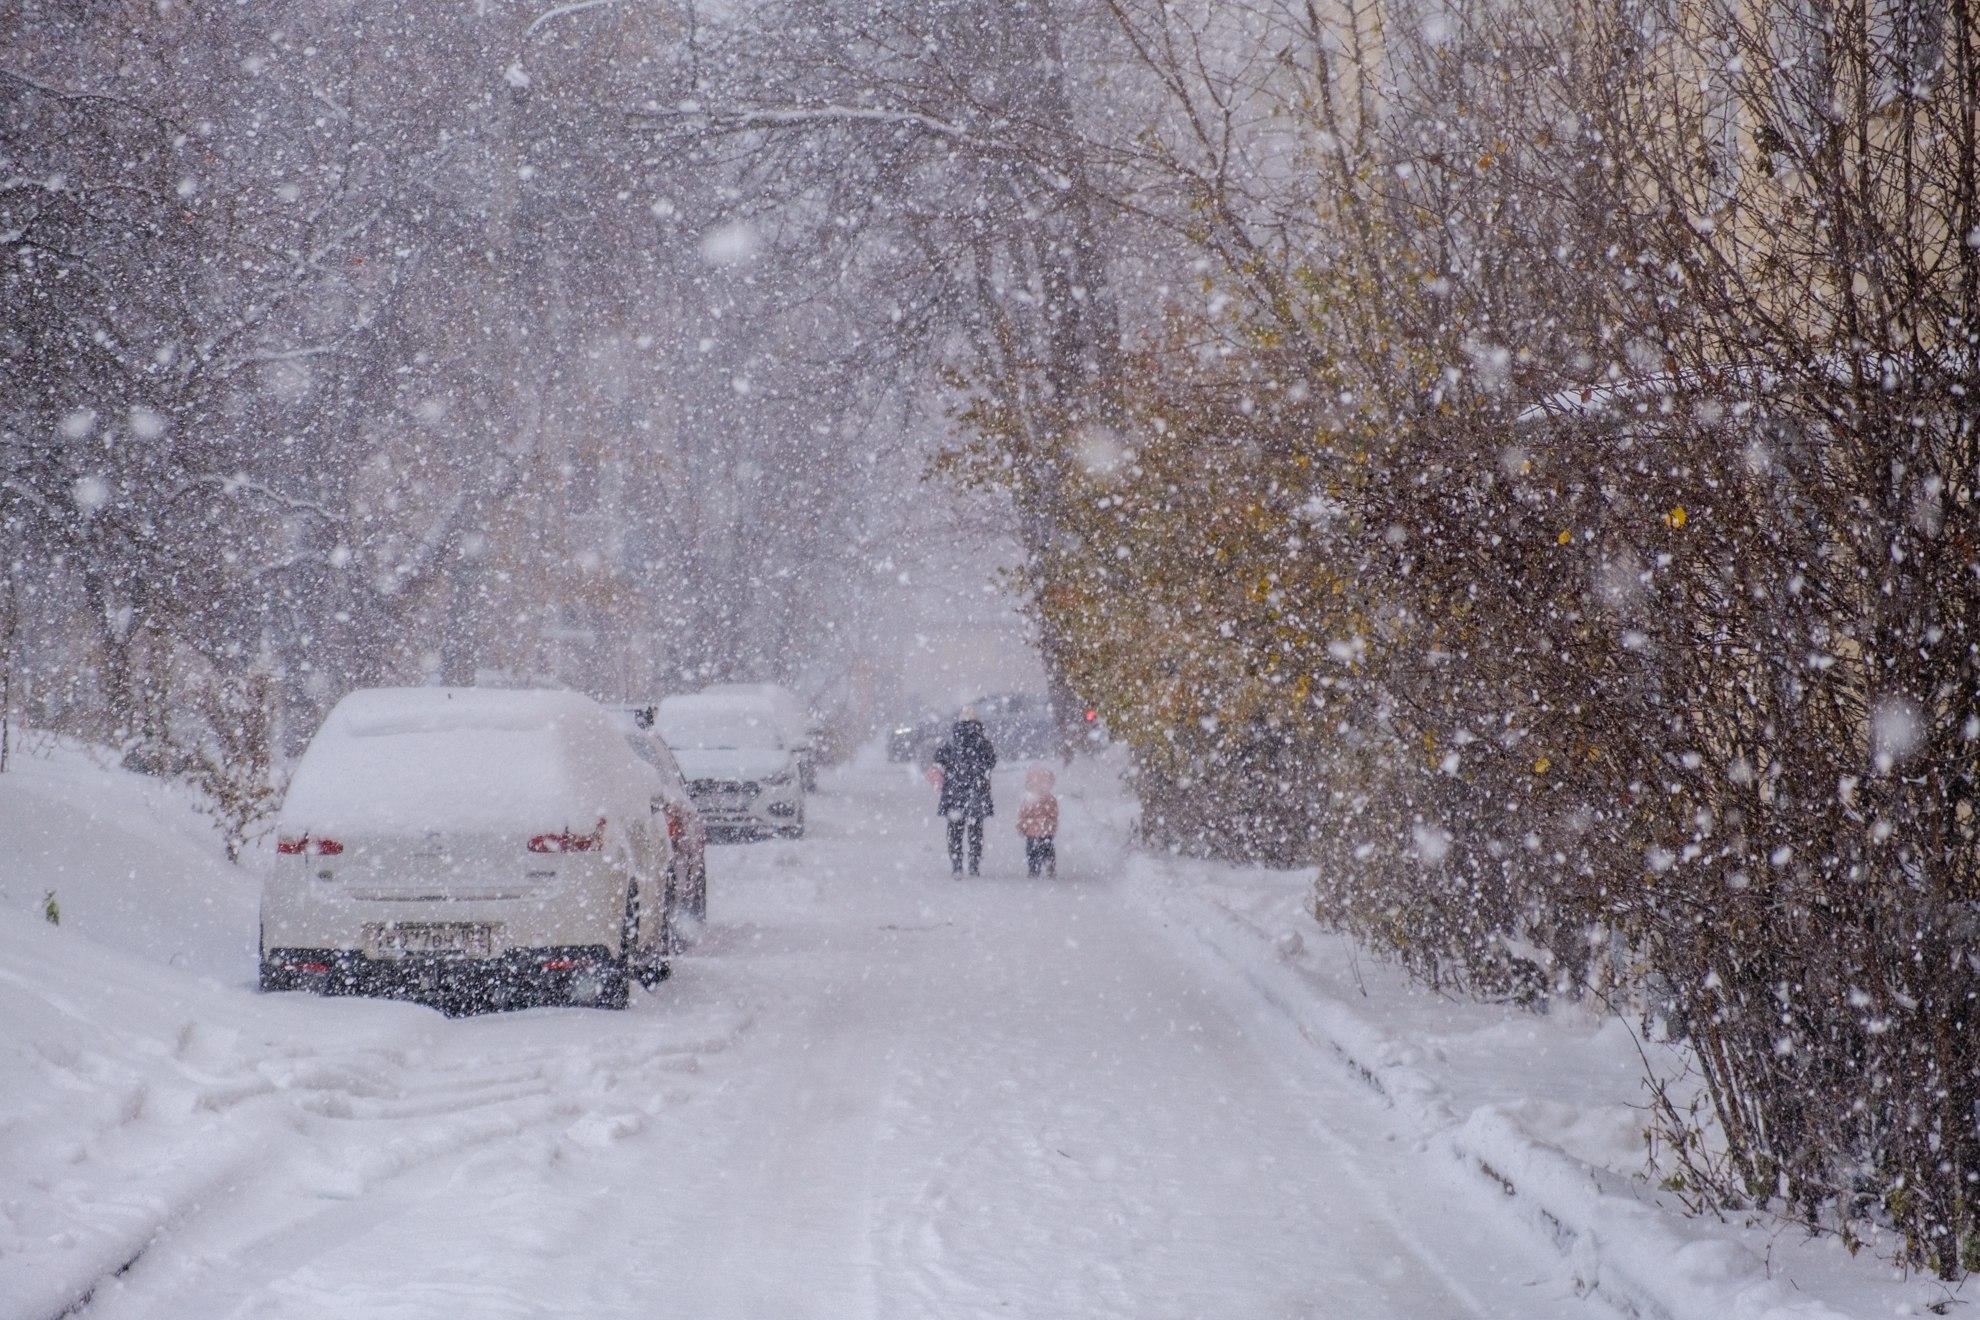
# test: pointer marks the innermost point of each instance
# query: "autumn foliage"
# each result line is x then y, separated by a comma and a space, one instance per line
1556, 522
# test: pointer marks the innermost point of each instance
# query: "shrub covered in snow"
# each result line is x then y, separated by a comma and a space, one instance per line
1557, 520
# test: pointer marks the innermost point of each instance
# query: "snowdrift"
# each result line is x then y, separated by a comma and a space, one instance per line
132, 862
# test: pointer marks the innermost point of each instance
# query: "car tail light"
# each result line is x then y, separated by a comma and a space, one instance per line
313, 968
559, 964
305, 844
566, 841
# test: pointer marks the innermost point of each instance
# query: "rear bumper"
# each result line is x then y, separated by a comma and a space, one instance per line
520, 976
579, 910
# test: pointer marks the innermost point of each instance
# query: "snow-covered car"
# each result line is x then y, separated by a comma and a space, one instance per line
685, 829
475, 845
915, 740
794, 720
744, 778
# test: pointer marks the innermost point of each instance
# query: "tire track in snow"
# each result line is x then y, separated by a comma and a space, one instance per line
333, 1143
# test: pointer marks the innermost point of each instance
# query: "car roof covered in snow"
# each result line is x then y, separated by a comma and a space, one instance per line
787, 705
465, 760
719, 720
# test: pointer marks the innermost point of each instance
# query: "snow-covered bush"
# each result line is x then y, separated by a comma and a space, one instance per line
1569, 475
230, 752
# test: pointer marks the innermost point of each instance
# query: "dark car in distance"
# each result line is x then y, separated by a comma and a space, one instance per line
1022, 726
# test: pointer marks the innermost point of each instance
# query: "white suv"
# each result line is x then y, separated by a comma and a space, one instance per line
477, 846
744, 777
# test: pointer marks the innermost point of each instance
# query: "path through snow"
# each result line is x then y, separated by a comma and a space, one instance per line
872, 1091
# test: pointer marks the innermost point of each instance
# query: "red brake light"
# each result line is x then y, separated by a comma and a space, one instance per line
305, 844
1091, 714
568, 842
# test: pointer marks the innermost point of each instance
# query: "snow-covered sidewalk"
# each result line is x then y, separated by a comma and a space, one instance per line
1549, 1110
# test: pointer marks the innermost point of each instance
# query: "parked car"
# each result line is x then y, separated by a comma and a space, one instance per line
914, 740
478, 846
1021, 725
743, 777
685, 828
793, 720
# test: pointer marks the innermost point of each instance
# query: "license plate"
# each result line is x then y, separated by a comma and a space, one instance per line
460, 939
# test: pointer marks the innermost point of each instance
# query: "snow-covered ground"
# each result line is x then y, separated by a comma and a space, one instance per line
132, 863
1550, 1109
872, 1090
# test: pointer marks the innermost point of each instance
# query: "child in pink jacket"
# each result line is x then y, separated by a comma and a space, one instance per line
1038, 822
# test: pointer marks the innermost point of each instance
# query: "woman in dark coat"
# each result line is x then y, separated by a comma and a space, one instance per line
965, 761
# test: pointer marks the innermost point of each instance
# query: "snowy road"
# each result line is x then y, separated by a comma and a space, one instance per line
873, 1091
